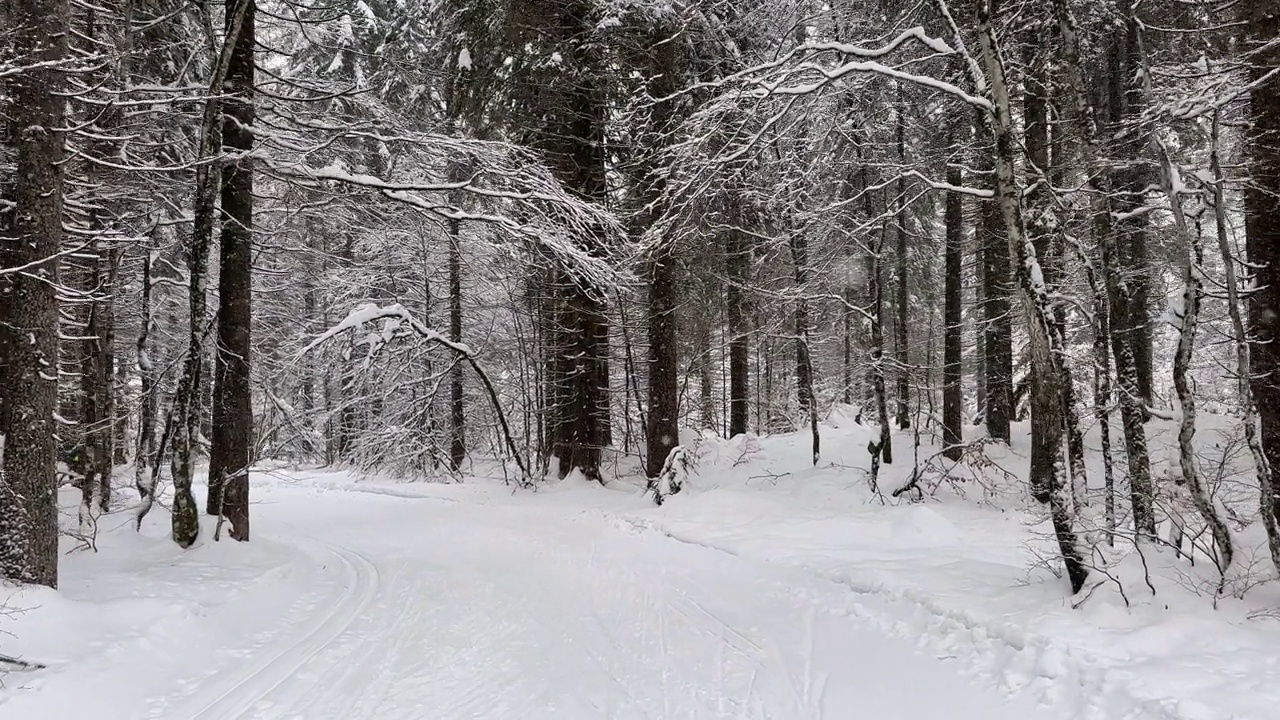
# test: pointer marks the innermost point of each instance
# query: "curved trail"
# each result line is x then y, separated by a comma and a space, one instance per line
523, 610
278, 662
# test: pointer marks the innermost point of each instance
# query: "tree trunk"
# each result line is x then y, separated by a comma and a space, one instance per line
1132, 179
736, 264
804, 364
457, 409
663, 432
1048, 411
884, 447
997, 323
952, 370
1045, 332
706, 386
1192, 256
1262, 230
97, 413
1102, 405
1132, 406
232, 442
900, 335
31, 232
847, 337
144, 455
186, 413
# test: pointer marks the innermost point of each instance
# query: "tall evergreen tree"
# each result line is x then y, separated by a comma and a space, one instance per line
31, 204
1262, 227
232, 441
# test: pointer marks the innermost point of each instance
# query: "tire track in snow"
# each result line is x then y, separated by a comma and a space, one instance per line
278, 662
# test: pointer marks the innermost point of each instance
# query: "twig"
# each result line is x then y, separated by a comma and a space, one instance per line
20, 664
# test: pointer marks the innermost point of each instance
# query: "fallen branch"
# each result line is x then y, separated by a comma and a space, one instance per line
20, 664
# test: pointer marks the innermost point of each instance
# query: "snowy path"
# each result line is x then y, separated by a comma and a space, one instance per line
500, 607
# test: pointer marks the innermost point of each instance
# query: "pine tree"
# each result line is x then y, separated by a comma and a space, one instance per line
231, 446
30, 237
1262, 229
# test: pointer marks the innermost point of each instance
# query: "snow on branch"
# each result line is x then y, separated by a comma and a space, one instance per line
499, 184
798, 71
398, 322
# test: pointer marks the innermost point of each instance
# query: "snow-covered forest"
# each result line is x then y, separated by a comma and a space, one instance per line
640, 358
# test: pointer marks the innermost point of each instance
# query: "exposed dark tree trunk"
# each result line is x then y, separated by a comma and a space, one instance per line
702, 361
953, 332
97, 411
804, 364
1133, 407
664, 65
186, 413
847, 337
97, 348
457, 408
997, 325
979, 353
119, 401
1102, 396
565, 120
148, 400
1048, 411
1046, 334
581, 401
901, 356
604, 379
31, 232
1132, 180
664, 412
736, 254
884, 447
232, 441
1262, 228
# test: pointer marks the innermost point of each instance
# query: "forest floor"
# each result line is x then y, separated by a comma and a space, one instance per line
767, 589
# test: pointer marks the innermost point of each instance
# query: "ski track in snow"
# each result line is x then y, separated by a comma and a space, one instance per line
486, 606
273, 666
499, 609
1021, 661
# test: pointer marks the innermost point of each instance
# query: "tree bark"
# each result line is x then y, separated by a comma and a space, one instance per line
31, 232
1191, 255
736, 264
232, 441
186, 413
901, 336
457, 407
997, 323
883, 451
804, 364
1262, 230
706, 385
144, 455
952, 370
663, 432
1045, 332
1132, 179
1048, 409
1133, 407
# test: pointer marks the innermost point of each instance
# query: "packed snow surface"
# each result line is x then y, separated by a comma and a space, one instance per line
464, 605
765, 590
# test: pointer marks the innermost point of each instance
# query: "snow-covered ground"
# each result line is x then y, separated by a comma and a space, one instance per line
767, 589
